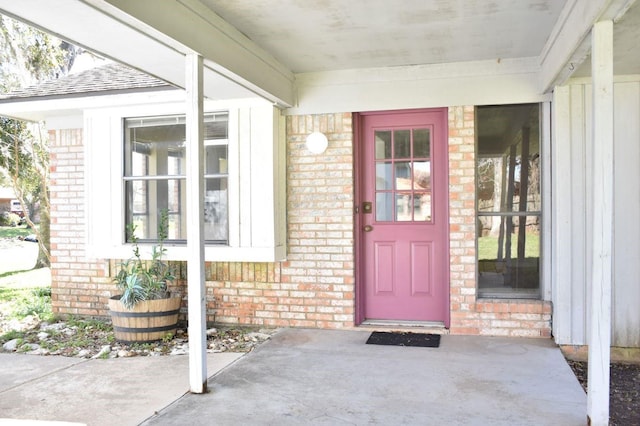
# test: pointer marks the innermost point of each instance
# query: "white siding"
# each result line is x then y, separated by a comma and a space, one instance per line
573, 213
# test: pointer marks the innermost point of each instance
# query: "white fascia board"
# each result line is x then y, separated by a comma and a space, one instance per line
188, 24
34, 109
569, 43
507, 81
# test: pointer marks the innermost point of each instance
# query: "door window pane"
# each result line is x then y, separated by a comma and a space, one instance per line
383, 145
384, 176
508, 201
403, 184
384, 206
421, 143
402, 143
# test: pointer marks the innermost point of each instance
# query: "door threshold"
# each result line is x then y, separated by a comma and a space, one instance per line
403, 324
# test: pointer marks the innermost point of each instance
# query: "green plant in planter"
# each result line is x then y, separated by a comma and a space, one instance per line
140, 279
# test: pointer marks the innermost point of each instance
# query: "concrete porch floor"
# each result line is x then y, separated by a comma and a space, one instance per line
306, 377
333, 377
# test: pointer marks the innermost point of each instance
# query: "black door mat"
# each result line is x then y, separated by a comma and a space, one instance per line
404, 339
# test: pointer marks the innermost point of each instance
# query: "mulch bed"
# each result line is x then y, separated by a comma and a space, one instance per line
624, 395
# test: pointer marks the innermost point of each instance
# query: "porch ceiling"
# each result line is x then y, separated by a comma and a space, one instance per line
308, 36
261, 47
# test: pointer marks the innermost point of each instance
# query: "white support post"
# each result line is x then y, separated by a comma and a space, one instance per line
600, 332
195, 224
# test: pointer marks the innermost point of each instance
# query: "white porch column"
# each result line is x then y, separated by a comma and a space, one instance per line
195, 224
600, 332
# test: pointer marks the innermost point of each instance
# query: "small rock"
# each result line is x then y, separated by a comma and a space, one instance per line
11, 345
212, 332
39, 351
42, 335
45, 326
84, 353
103, 351
178, 351
125, 354
27, 347
259, 336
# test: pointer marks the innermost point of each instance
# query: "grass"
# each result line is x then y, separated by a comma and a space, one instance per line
15, 231
19, 303
488, 247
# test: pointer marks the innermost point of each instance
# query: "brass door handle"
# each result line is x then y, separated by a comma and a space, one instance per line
368, 228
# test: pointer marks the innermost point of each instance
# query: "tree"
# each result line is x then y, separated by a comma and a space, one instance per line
28, 56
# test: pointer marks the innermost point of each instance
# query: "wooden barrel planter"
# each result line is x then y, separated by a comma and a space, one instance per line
147, 321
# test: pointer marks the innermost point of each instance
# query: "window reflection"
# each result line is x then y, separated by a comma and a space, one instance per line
508, 200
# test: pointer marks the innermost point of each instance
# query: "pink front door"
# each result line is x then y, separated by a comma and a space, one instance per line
403, 217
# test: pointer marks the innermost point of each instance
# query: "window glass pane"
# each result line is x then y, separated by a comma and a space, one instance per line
422, 206
383, 145
403, 175
146, 198
404, 207
422, 175
421, 143
215, 210
384, 176
384, 206
215, 159
509, 263
508, 200
402, 143
155, 167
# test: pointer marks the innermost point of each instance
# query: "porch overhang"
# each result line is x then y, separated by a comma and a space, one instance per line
240, 61
155, 37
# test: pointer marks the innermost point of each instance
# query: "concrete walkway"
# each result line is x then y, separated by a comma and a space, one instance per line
307, 377
121, 391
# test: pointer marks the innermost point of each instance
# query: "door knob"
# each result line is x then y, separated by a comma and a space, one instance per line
368, 228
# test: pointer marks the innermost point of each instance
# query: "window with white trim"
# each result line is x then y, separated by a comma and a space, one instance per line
135, 168
155, 176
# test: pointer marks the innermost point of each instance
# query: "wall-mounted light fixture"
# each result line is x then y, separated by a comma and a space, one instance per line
317, 142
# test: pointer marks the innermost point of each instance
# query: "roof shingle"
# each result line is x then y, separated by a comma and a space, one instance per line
106, 78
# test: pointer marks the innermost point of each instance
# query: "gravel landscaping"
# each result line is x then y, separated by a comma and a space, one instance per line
95, 339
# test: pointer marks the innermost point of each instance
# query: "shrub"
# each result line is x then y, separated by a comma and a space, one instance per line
9, 219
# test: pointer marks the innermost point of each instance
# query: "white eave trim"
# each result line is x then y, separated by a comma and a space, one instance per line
505, 81
569, 43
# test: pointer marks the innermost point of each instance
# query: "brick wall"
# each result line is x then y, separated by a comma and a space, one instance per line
495, 317
315, 287
79, 287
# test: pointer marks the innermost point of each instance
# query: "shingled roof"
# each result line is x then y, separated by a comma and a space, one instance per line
106, 79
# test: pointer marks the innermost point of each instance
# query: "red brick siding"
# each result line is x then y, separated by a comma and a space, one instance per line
79, 286
315, 287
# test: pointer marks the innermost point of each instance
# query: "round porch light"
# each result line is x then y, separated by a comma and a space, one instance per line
317, 143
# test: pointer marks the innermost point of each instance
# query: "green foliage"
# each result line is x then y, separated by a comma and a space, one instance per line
29, 56
9, 219
89, 324
140, 279
14, 231
10, 335
22, 302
